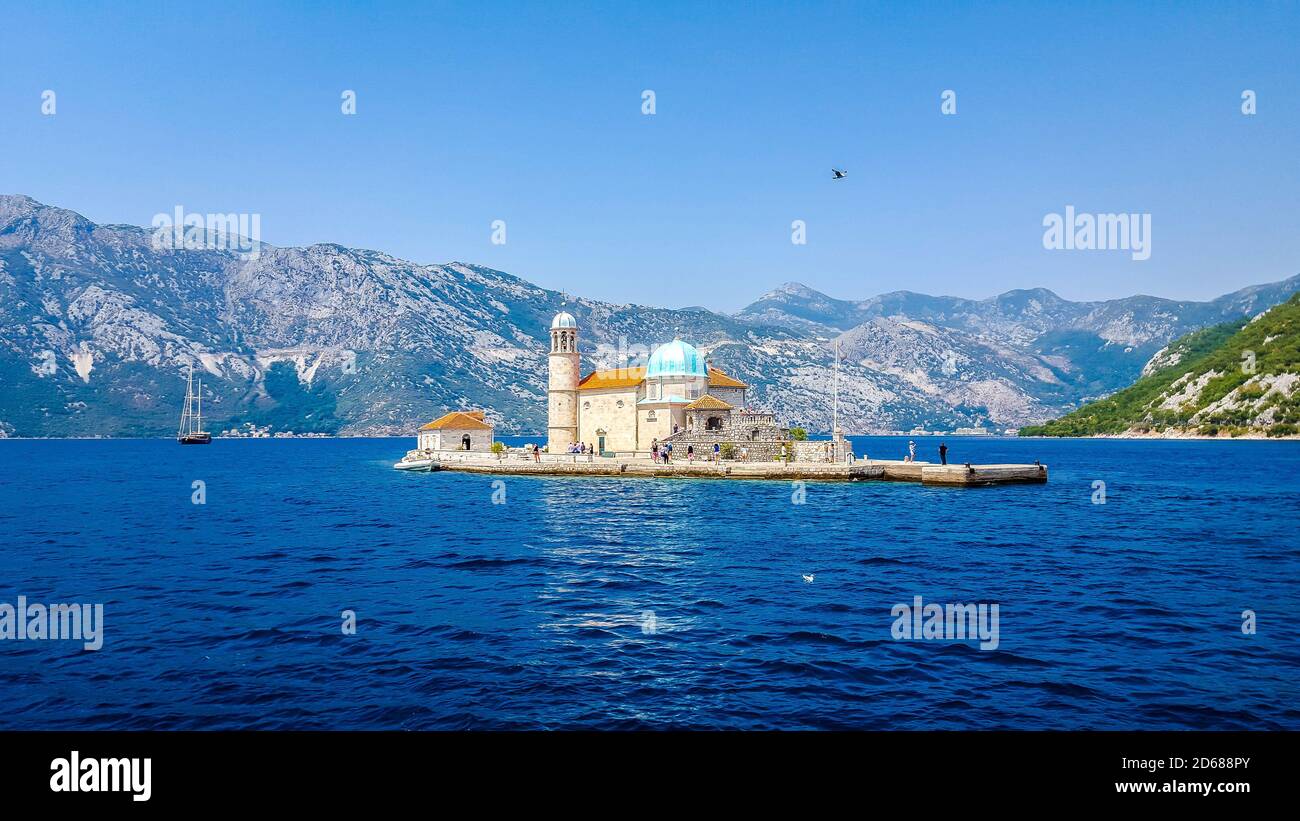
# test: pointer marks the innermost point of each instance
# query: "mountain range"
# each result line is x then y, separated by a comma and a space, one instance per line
98, 326
1233, 379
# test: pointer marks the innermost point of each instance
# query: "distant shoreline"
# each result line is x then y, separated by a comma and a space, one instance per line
815, 437
1178, 437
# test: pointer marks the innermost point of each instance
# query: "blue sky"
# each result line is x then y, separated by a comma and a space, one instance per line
531, 113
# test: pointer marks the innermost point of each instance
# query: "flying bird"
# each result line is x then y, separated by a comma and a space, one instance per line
838, 174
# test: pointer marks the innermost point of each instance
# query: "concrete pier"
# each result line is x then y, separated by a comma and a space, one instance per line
977, 475
862, 470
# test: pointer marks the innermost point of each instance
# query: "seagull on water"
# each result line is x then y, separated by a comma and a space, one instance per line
808, 577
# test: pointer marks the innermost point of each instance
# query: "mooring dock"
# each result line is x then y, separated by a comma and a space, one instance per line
860, 470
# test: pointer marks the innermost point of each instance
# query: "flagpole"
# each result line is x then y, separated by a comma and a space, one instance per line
835, 405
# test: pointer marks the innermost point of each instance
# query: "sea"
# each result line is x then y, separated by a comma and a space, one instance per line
306, 584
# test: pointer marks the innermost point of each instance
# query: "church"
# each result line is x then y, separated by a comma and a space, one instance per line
676, 396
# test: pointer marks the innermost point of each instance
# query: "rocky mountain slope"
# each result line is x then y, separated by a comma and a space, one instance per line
1092, 348
1233, 379
97, 327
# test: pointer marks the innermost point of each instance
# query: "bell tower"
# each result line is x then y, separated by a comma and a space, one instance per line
562, 393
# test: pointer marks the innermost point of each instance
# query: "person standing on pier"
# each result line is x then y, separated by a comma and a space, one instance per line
911, 450
690, 454
943, 453
716, 452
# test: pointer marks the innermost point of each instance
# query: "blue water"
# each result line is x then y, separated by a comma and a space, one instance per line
533, 613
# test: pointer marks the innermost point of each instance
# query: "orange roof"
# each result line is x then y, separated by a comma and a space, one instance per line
459, 420
613, 378
718, 379
631, 377
707, 402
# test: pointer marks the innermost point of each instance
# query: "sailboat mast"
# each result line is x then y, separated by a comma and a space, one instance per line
199, 421
185, 406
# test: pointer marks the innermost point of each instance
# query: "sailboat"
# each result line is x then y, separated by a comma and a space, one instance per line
191, 430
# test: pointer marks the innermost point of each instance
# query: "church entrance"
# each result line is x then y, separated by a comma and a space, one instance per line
464, 442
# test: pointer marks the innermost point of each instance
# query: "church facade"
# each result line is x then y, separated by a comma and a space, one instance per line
676, 396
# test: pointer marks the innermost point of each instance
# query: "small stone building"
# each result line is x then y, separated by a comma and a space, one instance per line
710, 421
458, 430
708, 413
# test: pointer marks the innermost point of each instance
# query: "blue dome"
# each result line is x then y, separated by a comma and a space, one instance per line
675, 359
563, 319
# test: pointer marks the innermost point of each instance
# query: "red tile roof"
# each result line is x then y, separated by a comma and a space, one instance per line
709, 402
718, 379
459, 420
613, 378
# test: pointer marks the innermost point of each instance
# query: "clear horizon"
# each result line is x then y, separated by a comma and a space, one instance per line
536, 119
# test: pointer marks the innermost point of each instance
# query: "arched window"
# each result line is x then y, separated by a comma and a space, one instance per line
464, 442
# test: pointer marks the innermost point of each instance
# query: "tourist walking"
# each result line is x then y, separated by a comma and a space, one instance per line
911, 450
537, 452
717, 452
943, 454
690, 454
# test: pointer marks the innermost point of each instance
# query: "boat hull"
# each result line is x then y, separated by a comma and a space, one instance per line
195, 439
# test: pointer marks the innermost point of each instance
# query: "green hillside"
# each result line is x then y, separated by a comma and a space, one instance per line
1231, 379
